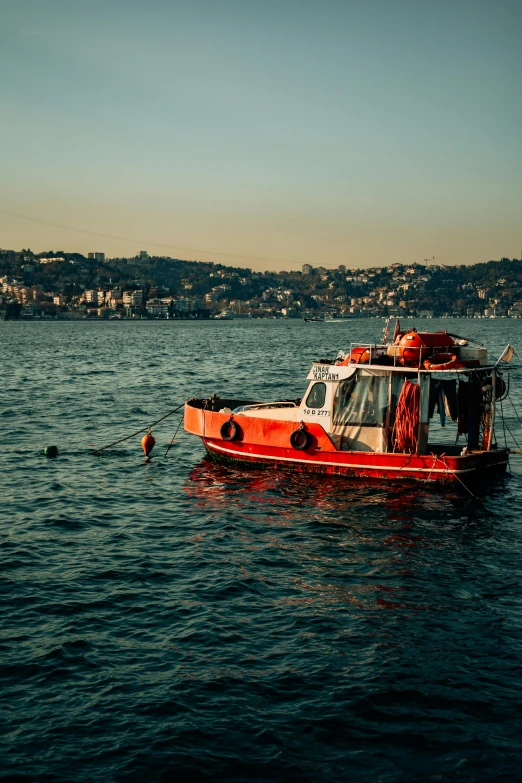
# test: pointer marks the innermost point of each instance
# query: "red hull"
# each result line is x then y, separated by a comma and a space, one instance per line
265, 442
430, 467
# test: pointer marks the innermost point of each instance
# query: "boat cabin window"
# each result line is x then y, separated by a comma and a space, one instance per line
362, 400
316, 396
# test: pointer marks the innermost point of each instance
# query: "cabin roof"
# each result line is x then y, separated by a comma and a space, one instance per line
336, 372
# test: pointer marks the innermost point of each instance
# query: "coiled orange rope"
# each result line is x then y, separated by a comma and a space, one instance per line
406, 427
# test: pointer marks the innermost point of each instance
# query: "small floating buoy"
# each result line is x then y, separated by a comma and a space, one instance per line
147, 443
51, 451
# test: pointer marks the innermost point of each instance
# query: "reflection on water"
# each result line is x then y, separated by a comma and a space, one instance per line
361, 527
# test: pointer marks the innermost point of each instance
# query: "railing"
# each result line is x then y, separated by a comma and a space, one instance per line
267, 405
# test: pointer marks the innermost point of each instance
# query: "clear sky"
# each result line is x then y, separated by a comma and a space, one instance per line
288, 131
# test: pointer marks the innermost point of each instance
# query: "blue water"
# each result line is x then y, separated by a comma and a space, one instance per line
176, 620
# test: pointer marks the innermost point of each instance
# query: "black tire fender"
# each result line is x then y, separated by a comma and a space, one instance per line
300, 439
229, 430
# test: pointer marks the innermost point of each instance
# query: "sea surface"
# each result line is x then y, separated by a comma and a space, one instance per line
176, 620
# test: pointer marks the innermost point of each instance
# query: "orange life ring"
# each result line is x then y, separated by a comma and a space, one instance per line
442, 361
360, 355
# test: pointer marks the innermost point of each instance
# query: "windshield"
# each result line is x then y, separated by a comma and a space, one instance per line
362, 400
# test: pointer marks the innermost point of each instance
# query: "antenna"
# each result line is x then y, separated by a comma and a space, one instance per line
429, 261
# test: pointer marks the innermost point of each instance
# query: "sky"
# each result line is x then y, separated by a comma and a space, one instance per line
266, 133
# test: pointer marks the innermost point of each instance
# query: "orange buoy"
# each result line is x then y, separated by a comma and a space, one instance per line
147, 443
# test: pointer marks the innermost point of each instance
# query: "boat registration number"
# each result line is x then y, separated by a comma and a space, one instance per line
313, 412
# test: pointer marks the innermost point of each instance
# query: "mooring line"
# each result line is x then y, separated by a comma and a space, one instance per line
516, 412
138, 432
174, 436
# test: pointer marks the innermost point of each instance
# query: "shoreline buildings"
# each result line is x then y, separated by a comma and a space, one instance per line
69, 285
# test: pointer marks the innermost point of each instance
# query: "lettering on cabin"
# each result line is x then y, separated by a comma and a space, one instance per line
324, 374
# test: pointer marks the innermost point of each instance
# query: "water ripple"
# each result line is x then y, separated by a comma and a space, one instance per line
176, 620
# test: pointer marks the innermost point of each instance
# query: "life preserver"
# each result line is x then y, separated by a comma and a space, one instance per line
360, 355
362, 358
300, 439
442, 361
229, 430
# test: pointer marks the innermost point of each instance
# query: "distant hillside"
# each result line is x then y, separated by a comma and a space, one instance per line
402, 289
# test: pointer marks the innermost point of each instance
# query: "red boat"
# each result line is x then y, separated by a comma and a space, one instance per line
368, 412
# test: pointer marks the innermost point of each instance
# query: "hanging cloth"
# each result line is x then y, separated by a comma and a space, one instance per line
463, 406
441, 406
434, 397
451, 405
475, 411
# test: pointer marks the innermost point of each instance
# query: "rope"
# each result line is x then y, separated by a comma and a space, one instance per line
406, 425
458, 479
513, 406
506, 425
503, 424
210, 454
435, 458
138, 432
504, 429
173, 437
514, 439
